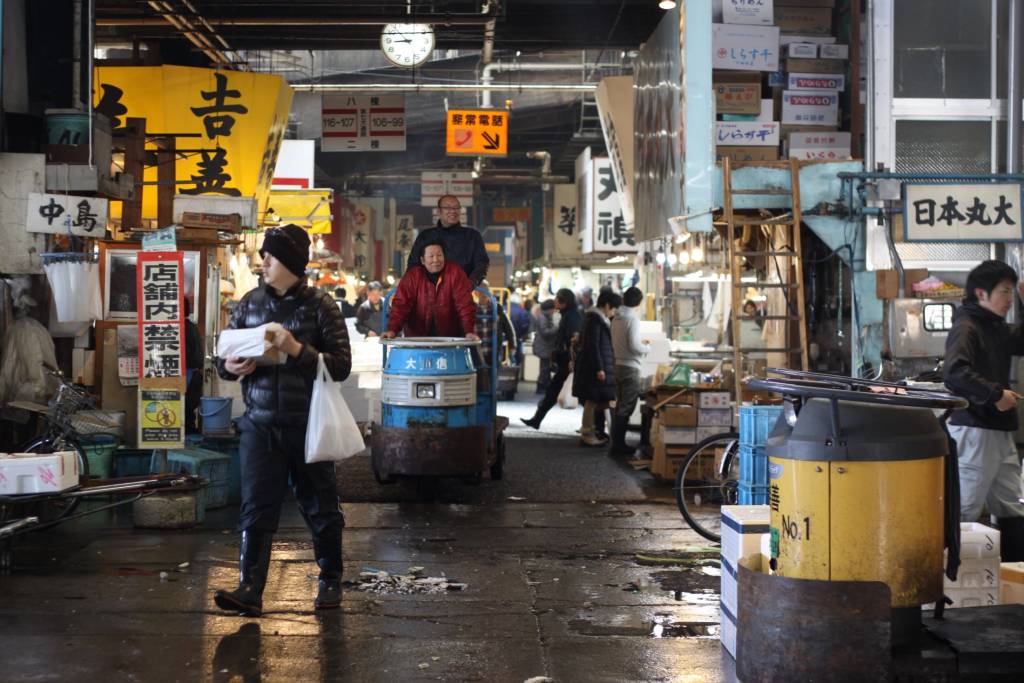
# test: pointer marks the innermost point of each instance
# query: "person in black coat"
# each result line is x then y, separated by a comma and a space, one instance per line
561, 358
273, 429
594, 372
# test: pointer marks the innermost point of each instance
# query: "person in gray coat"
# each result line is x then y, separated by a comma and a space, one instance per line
545, 334
629, 357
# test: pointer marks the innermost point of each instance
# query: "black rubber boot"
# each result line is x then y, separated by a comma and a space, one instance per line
253, 565
538, 417
327, 549
1011, 532
618, 444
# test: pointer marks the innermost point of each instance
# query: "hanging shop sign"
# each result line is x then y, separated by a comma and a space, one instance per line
64, 213
363, 123
614, 98
405, 234
238, 119
979, 212
748, 48
477, 132
161, 314
294, 168
565, 229
309, 209
607, 230
755, 12
361, 237
437, 184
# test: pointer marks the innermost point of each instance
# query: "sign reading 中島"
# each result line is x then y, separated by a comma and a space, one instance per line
750, 48
363, 123
161, 313
747, 133
477, 132
756, 12
981, 212
63, 213
607, 230
436, 184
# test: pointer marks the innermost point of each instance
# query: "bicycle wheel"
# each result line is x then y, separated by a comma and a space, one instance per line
707, 480
57, 508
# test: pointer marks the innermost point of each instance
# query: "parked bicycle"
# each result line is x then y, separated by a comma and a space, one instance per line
707, 479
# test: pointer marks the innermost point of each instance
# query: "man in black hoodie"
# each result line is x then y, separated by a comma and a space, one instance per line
570, 324
979, 351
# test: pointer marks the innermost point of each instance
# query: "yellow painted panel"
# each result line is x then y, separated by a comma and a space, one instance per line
799, 499
310, 209
240, 118
887, 526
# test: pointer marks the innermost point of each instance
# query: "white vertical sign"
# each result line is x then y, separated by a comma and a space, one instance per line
608, 229
363, 123
565, 224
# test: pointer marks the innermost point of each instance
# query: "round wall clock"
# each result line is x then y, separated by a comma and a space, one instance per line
407, 45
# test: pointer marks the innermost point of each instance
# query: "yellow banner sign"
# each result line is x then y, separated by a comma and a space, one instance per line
477, 132
161, 418
239, 119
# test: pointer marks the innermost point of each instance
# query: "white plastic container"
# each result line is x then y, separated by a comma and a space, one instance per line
978, 541
38, 473
976, 574
742, 527
728, 630
972, 597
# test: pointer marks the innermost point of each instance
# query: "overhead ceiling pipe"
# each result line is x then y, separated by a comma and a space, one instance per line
436, 20
443, 87
487, 73
398, 178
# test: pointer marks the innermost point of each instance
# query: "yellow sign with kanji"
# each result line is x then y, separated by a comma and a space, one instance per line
477, 132
237, 120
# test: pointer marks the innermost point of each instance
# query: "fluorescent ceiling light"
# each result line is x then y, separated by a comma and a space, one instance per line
667, 4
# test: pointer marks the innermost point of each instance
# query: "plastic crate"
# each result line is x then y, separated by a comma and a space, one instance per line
228, 445
753, 495
753, 465
212, 466
756, 423
132, 462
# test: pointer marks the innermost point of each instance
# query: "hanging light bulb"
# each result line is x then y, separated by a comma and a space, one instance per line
684, 258
671, 259
391, 279
319, 243
697, 254
659, 258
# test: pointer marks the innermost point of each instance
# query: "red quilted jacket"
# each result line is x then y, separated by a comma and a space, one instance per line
422, 309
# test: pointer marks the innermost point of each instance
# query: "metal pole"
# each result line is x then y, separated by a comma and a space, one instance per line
1013, 90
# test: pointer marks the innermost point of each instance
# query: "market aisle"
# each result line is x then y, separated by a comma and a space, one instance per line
554, 588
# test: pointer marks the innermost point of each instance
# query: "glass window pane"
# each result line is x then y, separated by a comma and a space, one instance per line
943, 147
942, 48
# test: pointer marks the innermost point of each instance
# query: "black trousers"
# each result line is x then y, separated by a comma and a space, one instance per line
270, 458
550, 397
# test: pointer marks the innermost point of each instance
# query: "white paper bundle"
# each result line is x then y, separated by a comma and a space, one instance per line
252, 342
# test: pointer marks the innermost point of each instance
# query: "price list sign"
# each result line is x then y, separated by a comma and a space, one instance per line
363, 123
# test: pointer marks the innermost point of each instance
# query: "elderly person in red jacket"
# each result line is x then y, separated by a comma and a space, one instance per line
434, 299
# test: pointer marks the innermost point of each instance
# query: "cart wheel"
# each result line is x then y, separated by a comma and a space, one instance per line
498, 468
383, 481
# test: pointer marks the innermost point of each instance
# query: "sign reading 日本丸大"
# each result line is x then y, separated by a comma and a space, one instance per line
477, 132
979, 212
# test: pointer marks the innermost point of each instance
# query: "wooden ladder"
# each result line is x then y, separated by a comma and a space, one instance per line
793, 286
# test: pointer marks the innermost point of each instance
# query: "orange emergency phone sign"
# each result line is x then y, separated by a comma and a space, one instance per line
477, 132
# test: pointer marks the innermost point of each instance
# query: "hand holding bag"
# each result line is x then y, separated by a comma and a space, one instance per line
332, 433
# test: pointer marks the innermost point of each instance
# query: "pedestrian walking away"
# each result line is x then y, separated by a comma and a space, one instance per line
561, 358
273, 429
593, 371
629, 354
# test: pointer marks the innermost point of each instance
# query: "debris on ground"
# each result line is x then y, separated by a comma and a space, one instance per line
668, 560
380, 581
539, 679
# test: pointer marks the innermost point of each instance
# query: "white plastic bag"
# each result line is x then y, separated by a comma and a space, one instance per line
332, 433
565, 396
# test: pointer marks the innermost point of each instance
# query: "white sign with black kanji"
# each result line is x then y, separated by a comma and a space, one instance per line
66, 213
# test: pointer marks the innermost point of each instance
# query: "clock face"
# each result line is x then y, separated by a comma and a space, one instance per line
407, 44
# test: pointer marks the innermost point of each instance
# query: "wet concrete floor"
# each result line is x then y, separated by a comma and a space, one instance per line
549, 556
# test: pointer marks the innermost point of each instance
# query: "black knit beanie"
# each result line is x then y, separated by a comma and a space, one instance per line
289, 244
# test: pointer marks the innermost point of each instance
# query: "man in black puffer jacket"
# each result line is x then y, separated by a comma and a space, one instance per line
979, 350
273, 429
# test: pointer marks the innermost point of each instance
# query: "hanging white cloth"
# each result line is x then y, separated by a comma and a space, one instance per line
76, 290
707, 302
721, 310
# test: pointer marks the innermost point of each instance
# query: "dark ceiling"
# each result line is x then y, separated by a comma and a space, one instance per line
585, 31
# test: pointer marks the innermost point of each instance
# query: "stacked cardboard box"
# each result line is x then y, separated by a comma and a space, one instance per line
742, 528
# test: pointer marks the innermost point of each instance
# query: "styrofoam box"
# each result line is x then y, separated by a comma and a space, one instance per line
972, 597
835, 51
683, 436
978, 541
729, 586
714, 417
982, 573
742, 527
714, 399
36, 473
728, 631
1011, 580
802, 50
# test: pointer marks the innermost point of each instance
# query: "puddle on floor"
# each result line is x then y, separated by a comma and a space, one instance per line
635, 625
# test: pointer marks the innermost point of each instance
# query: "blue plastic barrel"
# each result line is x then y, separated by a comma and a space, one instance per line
216, 414
67, 127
